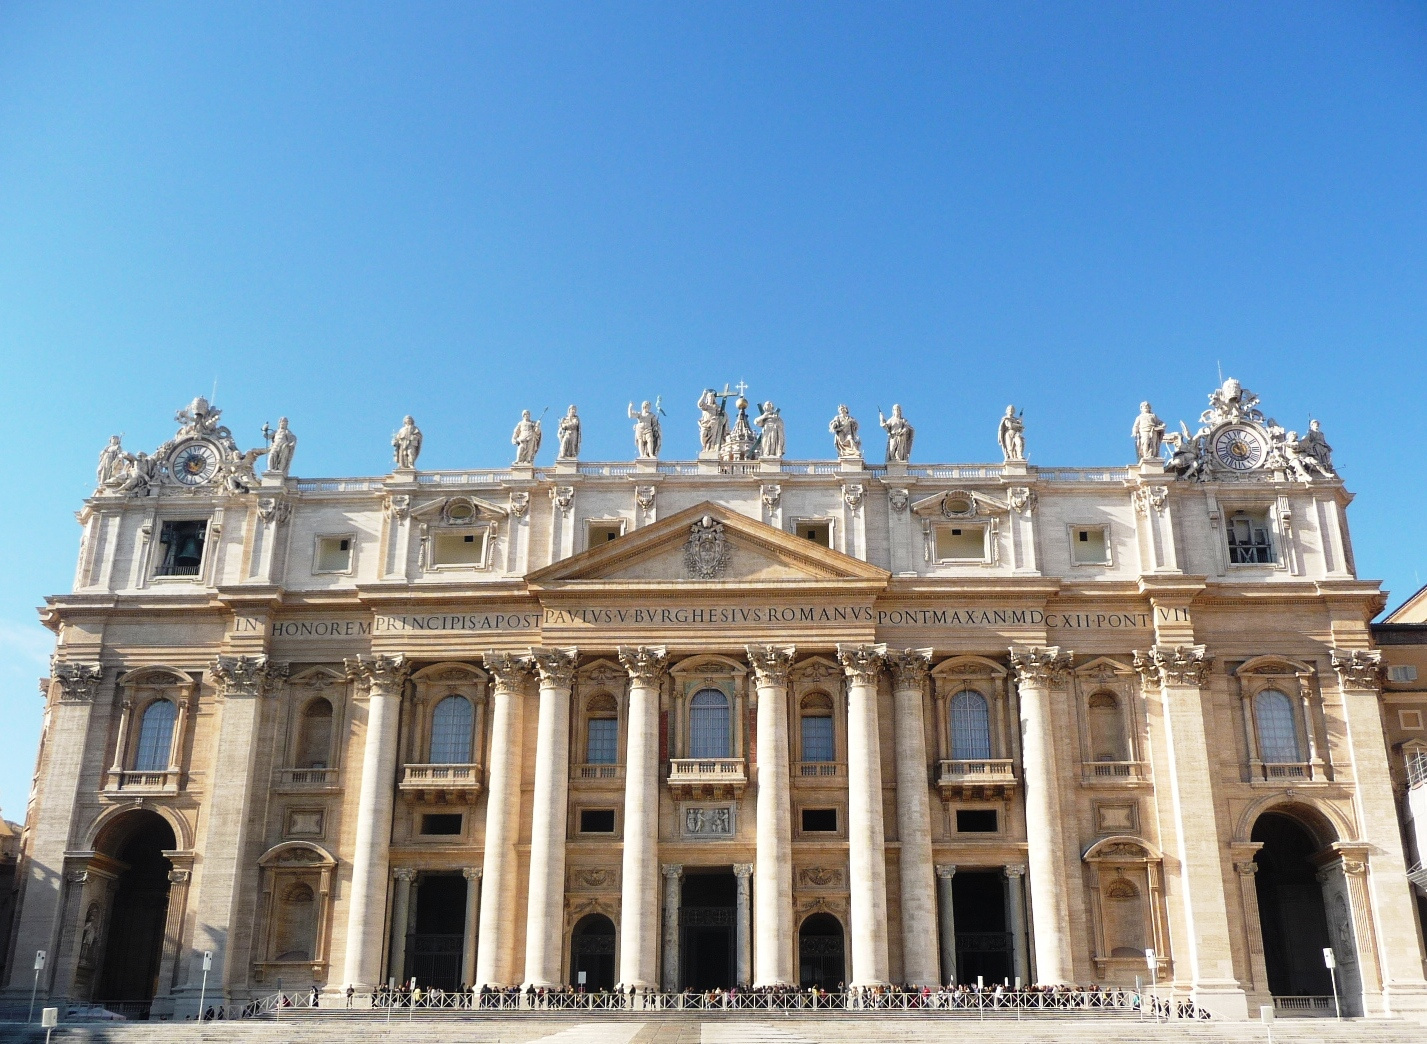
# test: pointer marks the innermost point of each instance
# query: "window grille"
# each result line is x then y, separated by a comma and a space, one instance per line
1278, 733
709, 725
451, 731
155, 737
817, 738
970, 727
602, 741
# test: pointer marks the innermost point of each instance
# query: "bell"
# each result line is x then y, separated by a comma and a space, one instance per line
190, 554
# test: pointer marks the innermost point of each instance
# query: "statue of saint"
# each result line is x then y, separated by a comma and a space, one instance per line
772, 440
111, 462
1012, 435
284, 445
647, 435
140, 474
1148, 433
1315, 445
569, 433
713, 421
844, 434
899, 435
526, 439
407, 444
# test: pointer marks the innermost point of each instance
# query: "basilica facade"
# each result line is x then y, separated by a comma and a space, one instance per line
738, 719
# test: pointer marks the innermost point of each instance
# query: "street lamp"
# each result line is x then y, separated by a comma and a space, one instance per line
1153, 963
1331, 960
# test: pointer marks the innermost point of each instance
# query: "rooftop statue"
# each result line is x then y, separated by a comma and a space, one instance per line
113, 463
772, 439
1148, 433
899, 435
713, 421
406, 444
844, 433
282, 447
1012, 435
569, 432
648, 436
526, 438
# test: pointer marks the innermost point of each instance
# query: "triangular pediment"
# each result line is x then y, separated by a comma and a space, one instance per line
755, 553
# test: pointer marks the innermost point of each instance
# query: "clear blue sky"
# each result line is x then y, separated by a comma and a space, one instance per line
345, 212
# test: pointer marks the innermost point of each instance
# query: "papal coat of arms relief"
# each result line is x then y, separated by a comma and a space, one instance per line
706, 554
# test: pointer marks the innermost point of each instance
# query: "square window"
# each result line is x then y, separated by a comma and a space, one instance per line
334, 554
597, 821
975, 820
460, 547
819, 820
819, 532
961, 543
441, 823
1089, 545
181, 544
600, 533
1410, 719
1402, 672
1250, 538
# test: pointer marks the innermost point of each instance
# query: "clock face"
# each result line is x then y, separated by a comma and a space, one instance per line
194, 463
1239, 448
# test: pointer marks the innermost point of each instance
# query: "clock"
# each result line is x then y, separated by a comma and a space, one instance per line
194, 463
1239, 448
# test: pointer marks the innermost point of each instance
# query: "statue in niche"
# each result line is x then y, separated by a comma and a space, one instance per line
284, 445
1313, 445
713, 421
406, 444
648, 436
772, 440
89, 935
1148, 433
569, 432
844, 433
1012, 435
899, 435
526, 438
112, 462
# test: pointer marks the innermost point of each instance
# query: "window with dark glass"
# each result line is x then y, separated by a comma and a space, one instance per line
1278, 733
602, 741
597, 821
819, 820
970, 727
451, 731
155, 737
709, 725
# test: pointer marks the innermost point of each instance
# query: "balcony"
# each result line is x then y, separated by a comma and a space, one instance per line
975, 778
1273, 771
1110, 773
306, 779
443, 784
603, 773
160, 781
707, 777
824, 770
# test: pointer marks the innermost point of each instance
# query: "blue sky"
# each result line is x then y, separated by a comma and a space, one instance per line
342, 213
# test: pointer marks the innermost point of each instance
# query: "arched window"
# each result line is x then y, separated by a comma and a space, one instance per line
451, 723
708, 725
817, 732
1107, 728
601, 731
295, 935
155, 737
314, 737
1278, 734
970, 727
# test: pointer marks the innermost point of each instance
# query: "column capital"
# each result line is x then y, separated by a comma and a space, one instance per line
645, 663
1016, 870
472, 873
743, 871
861, 662
1040, 665
78, 682
1358, 668
382, 675
1246, 868
1178, 665
946, 871
404, 873
247, 676
179, 876
556, 667
771, 663
673, 871
509, 670
910, 668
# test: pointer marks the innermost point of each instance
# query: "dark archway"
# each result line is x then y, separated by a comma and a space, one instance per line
437, 942
592, 952
1291, 912
821, 952
984, 946
134, 937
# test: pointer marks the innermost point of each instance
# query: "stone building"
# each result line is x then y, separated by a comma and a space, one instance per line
738, 719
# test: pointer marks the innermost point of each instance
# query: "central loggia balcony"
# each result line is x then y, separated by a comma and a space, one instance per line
707, 777
975, 777
601, 772
451, 784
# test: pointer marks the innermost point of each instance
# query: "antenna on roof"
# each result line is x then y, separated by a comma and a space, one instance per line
1221, 372
213, 400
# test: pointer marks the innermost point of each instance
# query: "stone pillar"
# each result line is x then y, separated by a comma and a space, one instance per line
1036, 668
866, 838
178, 879
472, 875
384, 677
1205, 955
673, 878
545, 915
1016, 922
773, 867
914, 821
495, 957
742, 937
639, 895
244, 683
400, 921
945, 876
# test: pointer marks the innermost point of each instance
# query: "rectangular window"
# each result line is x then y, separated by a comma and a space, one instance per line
597, 821
819, 820
600, 533
334, 554
461, 547
1089, 545
961, 543
1249, 539
181, 544
602, 742
1402, 672
975, 820
441, 823
817, 739
819, 532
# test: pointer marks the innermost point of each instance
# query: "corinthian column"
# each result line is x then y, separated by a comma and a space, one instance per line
1036, 669
866, 837
495, 957
544, 919
383, 677
914, 821
639, 896
773, 868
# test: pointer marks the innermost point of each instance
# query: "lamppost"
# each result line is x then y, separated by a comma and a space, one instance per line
1331, 960
1153, 963
203, 990
39, 967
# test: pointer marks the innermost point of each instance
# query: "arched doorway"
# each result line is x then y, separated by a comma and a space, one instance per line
592, 953
1291, 909
820, 952
134, 938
